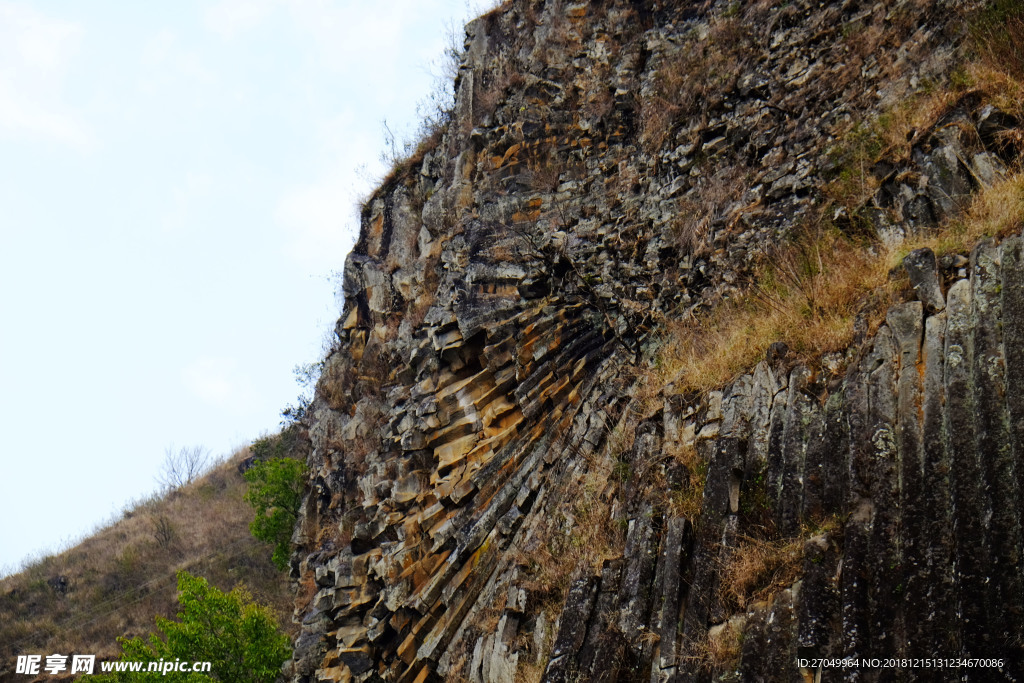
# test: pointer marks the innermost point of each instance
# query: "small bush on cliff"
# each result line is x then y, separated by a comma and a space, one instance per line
275, 492
239, 638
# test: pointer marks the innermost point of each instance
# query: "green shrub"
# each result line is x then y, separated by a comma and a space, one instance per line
239, 638
275, 493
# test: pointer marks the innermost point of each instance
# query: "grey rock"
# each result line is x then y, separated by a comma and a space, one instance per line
924, 276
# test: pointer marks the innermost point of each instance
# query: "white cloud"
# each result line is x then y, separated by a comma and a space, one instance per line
21, 115
38, 41
195, 187
349, 36
320, 217
231, 17
159, 48
321, 222
218, 382
166, 58
196, 184
380, 54
34, 53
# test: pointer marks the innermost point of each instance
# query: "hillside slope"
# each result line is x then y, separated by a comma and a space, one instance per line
544, 448
117, 581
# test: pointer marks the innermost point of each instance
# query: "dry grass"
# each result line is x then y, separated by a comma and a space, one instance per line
529, 671
533, 656
596, 96
694, 80
997, 34
997, 75
718, 188
890, 135
754, 571
722, 648
687, 502
116, 581
405, 162
580, 538
346, 378
995, 212
1004, 91
495, 85
758, 568
543, 172
811, 293
813, 313
587, 545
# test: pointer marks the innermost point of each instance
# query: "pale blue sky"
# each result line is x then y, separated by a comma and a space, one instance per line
178, 181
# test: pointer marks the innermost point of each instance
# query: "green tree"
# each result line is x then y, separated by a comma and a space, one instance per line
275, 492
238, 637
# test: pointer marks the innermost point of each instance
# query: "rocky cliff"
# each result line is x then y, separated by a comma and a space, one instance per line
507, 484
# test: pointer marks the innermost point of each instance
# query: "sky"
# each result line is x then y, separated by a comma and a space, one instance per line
178, 191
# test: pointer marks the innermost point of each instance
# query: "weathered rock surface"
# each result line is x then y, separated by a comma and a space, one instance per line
491, 500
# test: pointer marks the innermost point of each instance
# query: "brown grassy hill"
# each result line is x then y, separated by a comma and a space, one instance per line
118, 580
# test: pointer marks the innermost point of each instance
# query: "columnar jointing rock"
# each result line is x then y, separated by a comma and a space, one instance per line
929, 407
490, 500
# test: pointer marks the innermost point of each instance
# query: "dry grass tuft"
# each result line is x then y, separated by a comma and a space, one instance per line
584, 538
1004, 91
543, 172
580, 536
758, 568
724, 644
995, 212
687, 502
529, 671
597, 99
495, 86
891, 135
810, 292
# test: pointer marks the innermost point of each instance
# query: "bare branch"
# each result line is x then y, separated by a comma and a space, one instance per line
182, 466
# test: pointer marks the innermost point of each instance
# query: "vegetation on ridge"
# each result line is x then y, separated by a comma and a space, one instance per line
239, 639
114, 582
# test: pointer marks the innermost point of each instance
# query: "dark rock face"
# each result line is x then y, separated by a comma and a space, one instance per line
926, 477
924, 276
497, 495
